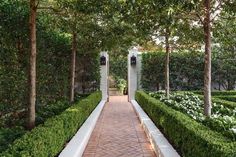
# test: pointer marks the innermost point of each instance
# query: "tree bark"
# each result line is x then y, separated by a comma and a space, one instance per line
158, 86
167, 71
73, 62
207, 62
231, 84
32, 68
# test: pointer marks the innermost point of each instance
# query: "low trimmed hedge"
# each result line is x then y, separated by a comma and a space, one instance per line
48, 139
189, 137
229, 104
217, 99
220, 97
228, 98
218, 93
47, 111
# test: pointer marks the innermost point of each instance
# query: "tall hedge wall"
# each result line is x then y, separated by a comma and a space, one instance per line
186, 71
53, 59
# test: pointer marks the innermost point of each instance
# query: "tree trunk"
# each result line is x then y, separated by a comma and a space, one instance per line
157, 86
219, 85
32, 68
73, 61
207, 63
231, 84
167, 73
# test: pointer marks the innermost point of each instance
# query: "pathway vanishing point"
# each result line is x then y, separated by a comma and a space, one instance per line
118, 132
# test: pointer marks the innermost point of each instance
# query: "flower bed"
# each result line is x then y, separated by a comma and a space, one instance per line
223, 119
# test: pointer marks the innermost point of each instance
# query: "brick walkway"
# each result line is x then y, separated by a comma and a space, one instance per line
118, 133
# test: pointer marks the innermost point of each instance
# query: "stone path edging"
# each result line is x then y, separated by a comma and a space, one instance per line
160, 143
77, 144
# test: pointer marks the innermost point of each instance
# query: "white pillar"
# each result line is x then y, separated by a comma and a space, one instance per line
104, 71
139, 70
132, 74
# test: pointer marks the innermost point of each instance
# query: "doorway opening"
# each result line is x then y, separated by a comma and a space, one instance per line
118, 75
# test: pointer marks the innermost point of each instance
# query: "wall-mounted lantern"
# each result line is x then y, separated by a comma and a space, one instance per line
102, 60
133, 60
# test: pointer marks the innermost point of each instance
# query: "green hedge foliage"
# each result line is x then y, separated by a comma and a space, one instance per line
8, 135
226, 103
186, 71
220, 100
48, 139
190, 138
221, 97
228, 98
53, 59
218, 93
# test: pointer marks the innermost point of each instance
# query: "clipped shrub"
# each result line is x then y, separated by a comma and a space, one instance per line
8, 135
50, 110
229, 104
228, 98
226, 103
48, 139
189, 137
218, 93
217, 97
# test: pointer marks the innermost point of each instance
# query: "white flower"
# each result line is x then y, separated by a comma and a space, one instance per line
233, 129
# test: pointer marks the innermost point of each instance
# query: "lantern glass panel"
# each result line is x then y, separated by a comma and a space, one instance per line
133, 60
102, 60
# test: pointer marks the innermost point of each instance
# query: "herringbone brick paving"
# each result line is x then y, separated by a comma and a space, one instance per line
118, 132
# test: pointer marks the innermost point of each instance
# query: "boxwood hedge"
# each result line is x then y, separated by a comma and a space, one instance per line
48, 139
218, 93
226, 103
190, 138
228, 98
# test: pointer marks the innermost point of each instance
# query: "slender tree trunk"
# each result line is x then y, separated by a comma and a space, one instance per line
230, 84
73, 61
158, 86
219, 85
83, 79
207, 64
32, 68
167, 71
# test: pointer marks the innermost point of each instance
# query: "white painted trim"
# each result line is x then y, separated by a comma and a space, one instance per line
78, 143
159, 143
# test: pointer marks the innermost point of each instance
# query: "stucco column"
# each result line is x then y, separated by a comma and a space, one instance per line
104, 72
132, 74
139, 70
